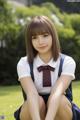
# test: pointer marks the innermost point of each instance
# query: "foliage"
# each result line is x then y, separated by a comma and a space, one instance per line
32, 11
75, 22
66, 33
9, 32
51, 7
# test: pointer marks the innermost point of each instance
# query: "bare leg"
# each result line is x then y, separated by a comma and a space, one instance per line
42, 109
25, 114
65, 110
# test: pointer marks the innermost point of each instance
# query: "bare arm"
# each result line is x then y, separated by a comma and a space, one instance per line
59, 88
32, 97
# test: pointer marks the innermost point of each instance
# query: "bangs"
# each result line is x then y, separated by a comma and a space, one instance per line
38, 27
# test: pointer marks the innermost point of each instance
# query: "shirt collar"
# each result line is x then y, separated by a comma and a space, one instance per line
39, 62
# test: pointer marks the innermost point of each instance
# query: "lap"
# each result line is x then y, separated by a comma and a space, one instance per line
73, 107
21, 112
64, 110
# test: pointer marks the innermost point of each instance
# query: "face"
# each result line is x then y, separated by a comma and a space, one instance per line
42, 43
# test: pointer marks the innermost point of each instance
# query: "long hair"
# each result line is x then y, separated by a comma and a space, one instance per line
39, 25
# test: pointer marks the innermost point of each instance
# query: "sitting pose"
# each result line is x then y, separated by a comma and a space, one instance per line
45, 90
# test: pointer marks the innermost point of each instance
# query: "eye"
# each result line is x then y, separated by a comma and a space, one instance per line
34, 37
45, 35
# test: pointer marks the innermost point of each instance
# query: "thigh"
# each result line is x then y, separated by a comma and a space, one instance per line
25, 114
65, 109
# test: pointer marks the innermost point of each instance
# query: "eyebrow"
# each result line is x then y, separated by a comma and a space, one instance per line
41, 33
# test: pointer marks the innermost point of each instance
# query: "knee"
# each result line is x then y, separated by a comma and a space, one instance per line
64, 109
62, 106
24, 113
64, 103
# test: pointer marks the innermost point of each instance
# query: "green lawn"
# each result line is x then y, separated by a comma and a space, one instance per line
76, 93
11, 98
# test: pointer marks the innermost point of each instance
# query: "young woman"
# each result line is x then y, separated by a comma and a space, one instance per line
44, 101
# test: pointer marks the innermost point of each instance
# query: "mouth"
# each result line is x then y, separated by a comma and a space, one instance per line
42, 46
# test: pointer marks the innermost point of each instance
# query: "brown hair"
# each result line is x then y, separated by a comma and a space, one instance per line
40, 25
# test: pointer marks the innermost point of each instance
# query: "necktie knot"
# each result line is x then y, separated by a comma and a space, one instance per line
46, 74
47, 67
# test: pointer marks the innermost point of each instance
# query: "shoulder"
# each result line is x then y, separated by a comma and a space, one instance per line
22, 61
68, 59
23, 68
69, 66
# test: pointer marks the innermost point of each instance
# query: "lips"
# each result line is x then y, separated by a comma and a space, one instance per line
42, 46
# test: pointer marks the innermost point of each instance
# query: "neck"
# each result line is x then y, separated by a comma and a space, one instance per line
46, 57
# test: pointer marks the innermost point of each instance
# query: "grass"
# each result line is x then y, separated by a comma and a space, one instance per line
76, 93
11, 98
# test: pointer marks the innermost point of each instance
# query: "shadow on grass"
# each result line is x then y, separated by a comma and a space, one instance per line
6, 90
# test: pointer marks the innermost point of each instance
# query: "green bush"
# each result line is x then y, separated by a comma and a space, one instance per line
70, 45
32, 11
51, 7
66, 33
75, 22
9, 56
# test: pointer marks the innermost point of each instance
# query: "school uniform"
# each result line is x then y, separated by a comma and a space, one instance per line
23, 70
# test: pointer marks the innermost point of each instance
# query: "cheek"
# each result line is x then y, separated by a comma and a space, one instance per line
34, 44
50, 41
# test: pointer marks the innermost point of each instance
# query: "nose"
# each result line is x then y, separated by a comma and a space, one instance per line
40, 40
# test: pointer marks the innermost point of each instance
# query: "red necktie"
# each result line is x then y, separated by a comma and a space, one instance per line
46, 74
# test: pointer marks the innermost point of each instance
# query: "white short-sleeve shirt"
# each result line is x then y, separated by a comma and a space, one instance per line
23, 70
